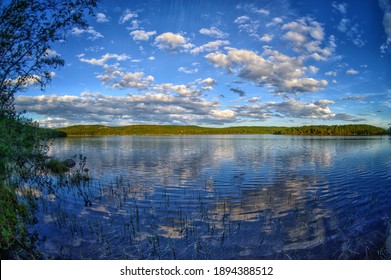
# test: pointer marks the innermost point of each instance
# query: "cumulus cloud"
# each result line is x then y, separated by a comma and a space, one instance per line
262, 12
283, 73
141, 35
331, 73
210, 47
172, 43
222, 114
313, 70
155, 107
101, 18
266, 38
209, 81
276, 21
29, 80
352, 72
289, 108
181, 90
308, 38
104, 58
214, 32
89, 32
127, 15
126, 80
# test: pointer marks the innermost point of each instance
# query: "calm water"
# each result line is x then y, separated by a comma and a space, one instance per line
222, 197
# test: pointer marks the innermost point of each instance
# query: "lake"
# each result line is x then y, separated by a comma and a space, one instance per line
221, 197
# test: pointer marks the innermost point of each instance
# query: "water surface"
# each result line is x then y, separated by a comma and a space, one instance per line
222, 197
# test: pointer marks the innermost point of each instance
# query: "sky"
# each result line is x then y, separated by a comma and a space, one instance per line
222, 63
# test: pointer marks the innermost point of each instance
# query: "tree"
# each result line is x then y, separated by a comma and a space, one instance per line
28, 28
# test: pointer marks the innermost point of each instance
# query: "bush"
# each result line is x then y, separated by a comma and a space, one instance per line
16, 242
57, 167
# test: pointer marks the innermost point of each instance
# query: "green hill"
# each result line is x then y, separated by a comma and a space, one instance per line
100, 130
342, 130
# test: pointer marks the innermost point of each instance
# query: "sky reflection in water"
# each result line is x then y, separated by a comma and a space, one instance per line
223, 197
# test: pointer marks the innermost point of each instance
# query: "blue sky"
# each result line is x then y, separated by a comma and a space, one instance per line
222, 63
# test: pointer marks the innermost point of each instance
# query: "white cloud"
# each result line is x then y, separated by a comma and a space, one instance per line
307, 38
283, 73
127, 15
141, 35
181, 90
351, 29
340, 7
290, 108
50, 52
29, 80
313, 69
101, 18
210, 47
352, 72
209, 81
331, 73
134, 24
222, 114
242, 20
343, 25
386, 7
155, 106
172, 42
125, 80
104, 58
246, 24
266, 38
274, 22
262, 12
249, 7
188, 71
214, 32
89, 32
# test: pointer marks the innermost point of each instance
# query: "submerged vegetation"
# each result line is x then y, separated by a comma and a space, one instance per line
100, 130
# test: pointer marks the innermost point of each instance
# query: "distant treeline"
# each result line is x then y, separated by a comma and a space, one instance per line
100, 130
52, 133
343, 130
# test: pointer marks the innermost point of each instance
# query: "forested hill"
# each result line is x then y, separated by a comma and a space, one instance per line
99, 130
343, 130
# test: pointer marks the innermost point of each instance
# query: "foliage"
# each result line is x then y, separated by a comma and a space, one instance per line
57, 167
342, 130
99, 130
27, 28
15, 240
52, 133
22, 148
